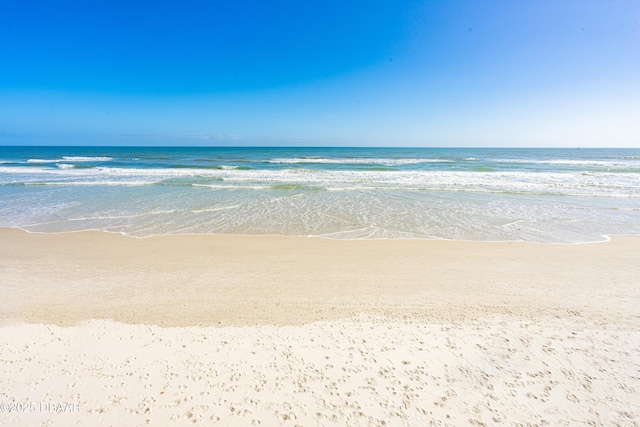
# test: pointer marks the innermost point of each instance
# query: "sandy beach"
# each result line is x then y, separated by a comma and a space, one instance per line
101, 329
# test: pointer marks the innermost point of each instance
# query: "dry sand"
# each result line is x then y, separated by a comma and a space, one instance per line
233, 330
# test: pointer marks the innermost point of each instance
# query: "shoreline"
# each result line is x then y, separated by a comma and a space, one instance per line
606, 237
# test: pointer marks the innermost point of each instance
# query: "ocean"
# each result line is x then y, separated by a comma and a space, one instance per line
481, 194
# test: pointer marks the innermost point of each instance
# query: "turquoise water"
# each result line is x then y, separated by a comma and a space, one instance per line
538, 195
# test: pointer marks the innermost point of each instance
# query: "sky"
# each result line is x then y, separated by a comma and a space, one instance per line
494, 73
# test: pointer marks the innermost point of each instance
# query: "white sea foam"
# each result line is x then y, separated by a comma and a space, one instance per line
87, 159
355, 161
44, 160
574, 183
71, 159
569, 162
90, 183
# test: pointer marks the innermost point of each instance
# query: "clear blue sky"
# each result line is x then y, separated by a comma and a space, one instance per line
390, 73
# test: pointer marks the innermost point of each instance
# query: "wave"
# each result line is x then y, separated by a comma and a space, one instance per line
601, 163
240, 168
71, 159
215, 167
296, 187
71, 171
82, 183
87, 159
45, 160
354, 161
593, 183
67, 166
188, 181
